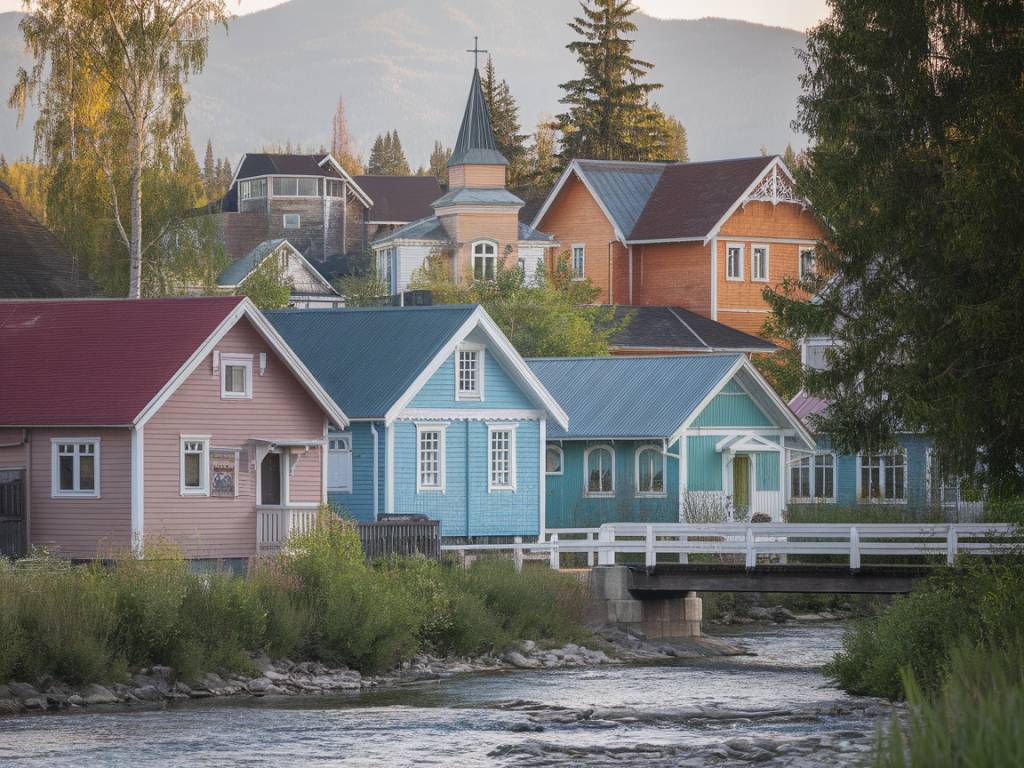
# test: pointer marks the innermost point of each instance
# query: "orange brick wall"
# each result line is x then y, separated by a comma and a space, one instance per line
465, 228
674, 274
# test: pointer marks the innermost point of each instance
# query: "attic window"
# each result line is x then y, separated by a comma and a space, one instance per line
235, 377
469, 376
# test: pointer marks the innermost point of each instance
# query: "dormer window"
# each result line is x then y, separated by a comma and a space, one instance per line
469, 374
485, 260
249, 189
235, 377
296, 186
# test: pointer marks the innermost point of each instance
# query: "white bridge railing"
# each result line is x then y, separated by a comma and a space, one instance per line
765, 540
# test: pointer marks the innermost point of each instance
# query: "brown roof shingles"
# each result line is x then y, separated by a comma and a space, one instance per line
400, 198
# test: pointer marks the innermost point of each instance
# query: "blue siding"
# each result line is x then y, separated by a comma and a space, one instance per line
359, 503
703, 464
767, 471
568, 507
500, 391
732, 408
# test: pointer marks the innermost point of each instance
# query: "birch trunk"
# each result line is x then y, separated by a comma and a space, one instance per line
135, 214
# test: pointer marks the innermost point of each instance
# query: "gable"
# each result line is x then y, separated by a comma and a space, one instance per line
500, 391
732, 407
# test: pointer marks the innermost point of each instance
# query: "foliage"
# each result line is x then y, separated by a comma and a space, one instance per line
550, 317
504, 112
342, 146
973, 719
983, 603
28, 182
387, 157
915, 116
864, 513
362, 286
439, 162
677, 149
609, 116
268, 285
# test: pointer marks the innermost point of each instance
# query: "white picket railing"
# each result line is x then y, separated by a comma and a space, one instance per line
754, 540
275, 525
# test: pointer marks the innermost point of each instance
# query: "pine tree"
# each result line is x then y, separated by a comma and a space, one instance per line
504, 113
211, 179
439, 162
397, 163
342, 146
611, 98
676, 147
375, 166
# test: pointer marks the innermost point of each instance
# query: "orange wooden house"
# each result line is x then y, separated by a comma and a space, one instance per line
707, 236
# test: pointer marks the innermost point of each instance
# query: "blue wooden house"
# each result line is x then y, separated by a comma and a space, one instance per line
664, 439
447, 420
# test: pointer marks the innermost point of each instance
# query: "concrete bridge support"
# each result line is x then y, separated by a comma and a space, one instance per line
656, 616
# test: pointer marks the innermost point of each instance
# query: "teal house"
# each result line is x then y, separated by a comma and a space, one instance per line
665, 439
447, 420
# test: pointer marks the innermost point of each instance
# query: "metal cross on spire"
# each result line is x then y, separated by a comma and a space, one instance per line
476, 50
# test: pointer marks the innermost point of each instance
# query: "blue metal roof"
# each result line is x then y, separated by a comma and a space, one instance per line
628, 397
237, 271
366, 359
623, 187
526, 232
477, 196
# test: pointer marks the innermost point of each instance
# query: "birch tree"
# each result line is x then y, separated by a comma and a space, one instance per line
139, 54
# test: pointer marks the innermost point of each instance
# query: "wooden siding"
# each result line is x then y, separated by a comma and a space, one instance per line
476, 176
280, 409
500, 391
567, 506
732, 408
358, 503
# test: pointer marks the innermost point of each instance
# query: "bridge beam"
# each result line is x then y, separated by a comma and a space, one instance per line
656, 616
678, 580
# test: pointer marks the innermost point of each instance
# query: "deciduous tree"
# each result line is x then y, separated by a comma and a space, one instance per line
342, 146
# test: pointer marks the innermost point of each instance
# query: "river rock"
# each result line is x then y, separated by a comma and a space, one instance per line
259, 685
9, 706
34, 702
97, 694
528, 646
517, 659
22, 691
147, 693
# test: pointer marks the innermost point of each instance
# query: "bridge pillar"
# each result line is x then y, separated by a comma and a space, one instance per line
655, 617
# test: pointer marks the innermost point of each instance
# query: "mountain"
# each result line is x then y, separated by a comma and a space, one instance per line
276, 75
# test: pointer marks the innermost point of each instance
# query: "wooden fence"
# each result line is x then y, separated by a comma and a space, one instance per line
401, 537
12, 513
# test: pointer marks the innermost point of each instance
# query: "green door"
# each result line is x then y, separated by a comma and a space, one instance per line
741, 484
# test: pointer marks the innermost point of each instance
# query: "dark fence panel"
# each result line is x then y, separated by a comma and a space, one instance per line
12, 513
401, 537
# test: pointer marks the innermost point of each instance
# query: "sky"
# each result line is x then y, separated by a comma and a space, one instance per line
795, 14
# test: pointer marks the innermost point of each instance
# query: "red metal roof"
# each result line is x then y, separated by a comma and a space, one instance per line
95, 362
805, 406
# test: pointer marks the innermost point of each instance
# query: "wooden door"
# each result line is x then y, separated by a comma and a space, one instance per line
741, 485
12, 513
270, 479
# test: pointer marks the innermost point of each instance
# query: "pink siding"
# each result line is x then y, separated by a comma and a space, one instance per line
82, 528
280, 409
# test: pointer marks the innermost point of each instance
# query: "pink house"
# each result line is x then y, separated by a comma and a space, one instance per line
126, 422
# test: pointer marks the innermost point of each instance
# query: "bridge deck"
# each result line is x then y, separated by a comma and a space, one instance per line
674, 580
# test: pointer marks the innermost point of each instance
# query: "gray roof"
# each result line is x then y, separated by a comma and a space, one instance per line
623, 187
477, 196
475, 143
237, 271
429, 228
526, 232
675, 328
628, 397
270, 164
366, 359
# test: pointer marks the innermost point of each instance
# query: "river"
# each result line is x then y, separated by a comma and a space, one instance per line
773, 708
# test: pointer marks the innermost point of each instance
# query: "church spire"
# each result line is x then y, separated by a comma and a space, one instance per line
475, 145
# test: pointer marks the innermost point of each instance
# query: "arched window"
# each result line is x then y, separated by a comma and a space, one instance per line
650, 471
553, 460
485, 260
599, 471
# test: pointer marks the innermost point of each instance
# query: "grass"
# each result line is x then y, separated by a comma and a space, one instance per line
322, 602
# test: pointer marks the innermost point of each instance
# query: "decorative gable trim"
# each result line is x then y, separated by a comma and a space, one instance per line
574, 167
295, 252
771, 170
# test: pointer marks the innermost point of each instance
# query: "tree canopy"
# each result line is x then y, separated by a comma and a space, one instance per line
916, 171
504, 113
387, 157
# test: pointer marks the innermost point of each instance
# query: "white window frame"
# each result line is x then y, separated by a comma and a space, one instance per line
245, 188
800, 261
754, 248
478, 393
282, 179
511, 484
240, 360
586, 472
204, 465
812, 482
581, 274
286, 216
492, 256
882, 476
561, 459
441, 429
332, 436
55, 490
728, 264
641, 494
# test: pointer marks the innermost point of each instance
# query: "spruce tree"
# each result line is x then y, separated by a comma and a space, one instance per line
210, 178
375, 165
397, 163
439, 162
608, 105
504, 113
676, 147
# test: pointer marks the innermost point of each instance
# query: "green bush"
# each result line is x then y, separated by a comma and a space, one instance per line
982, 603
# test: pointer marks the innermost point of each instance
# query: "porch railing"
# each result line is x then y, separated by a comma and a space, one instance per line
275, 525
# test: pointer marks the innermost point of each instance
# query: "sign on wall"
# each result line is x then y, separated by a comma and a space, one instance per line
223, 471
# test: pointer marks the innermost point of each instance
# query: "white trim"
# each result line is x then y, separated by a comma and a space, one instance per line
389, 468
881, 476
746, 310
583, 261
441, 430
542, 481
660, 450
574, 167
204, 465
470, 414
356, 189
272, 337
478, 393
656, 241
298, 218
235, 360
767, 269
561, 460
586, 472
138, 476
745, 442
294, 252
511, 429
728, 247
339, 435
55, 490
473, 255
714, 279
815, 497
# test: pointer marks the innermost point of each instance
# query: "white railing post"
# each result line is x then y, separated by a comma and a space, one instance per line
751, 552
606, 554
854, 549
951, 546
650, 557
554, 552
590, 552
517, 555
684, 557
